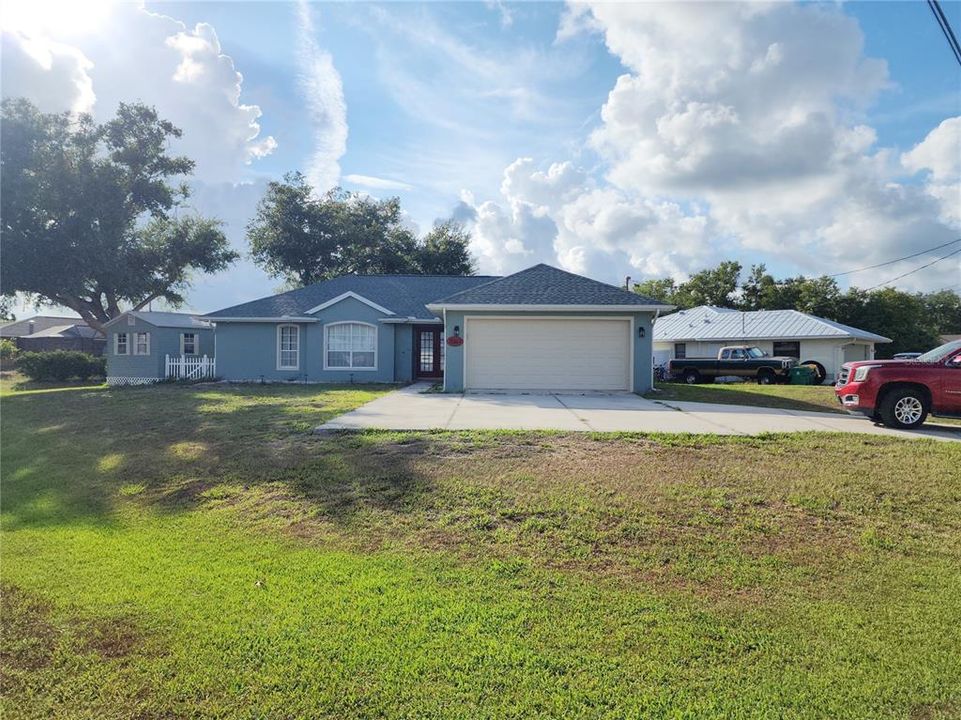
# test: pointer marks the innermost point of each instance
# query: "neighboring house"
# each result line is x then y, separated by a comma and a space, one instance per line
139, 344
539, 329
46, 332
702, 331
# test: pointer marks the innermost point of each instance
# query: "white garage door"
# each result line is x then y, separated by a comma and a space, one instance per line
550, 354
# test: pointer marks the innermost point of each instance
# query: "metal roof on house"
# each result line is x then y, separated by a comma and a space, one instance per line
713, 323
166, 319
543, 285
403, 295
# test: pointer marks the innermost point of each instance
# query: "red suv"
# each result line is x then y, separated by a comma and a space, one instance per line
901, 393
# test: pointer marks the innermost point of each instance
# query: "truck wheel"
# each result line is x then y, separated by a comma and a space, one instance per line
905, 408
765, 377
692, 377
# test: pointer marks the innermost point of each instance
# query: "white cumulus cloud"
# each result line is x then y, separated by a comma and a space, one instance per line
133, 54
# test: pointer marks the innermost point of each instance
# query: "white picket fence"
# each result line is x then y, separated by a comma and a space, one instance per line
191, 367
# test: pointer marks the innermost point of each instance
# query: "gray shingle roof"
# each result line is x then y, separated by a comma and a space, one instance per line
404, 295
21, 328
712, 323
546, 285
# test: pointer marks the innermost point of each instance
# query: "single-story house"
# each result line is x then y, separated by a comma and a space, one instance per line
702, 331
539, 329
48, 332
144, 347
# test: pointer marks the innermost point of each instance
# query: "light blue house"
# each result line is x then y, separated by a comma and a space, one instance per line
140, 344
539, 329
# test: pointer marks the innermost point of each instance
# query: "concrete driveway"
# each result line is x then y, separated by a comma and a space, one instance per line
411, 408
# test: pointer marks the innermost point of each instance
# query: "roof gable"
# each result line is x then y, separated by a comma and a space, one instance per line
355, 296
708, 323
403, 296
543, 285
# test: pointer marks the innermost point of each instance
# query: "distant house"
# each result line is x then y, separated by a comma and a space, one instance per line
702, 331
48, 332
143, 347
539, 329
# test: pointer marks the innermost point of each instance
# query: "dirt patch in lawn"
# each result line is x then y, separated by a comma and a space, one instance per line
720, 516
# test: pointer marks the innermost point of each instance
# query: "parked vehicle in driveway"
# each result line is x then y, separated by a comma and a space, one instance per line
902, 393
734, 360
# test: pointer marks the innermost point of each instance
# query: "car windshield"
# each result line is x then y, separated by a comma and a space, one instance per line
755, 352
939, 353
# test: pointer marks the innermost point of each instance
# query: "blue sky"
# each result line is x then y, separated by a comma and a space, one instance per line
636, 140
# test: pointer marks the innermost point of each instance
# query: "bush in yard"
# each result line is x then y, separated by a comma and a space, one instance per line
61, 365
8, 353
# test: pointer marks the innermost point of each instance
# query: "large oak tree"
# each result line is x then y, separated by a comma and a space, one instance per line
90, 213
304, 238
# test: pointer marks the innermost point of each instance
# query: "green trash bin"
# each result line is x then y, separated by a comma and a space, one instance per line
802, 375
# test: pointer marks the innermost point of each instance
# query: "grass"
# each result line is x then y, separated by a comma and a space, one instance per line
806, 398
811, 398
197, 552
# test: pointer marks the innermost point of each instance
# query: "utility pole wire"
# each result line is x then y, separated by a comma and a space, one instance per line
891, 262
946, 29
911, 272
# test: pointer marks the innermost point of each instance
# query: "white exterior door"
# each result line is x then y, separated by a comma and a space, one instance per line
548, 354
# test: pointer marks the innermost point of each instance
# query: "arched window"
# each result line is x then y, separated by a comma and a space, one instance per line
350, 346
288, 347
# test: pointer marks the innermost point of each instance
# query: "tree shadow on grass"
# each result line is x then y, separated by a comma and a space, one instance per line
76, 457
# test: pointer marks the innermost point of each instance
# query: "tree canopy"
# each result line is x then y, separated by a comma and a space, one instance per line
86, 212
304, 238
913, 321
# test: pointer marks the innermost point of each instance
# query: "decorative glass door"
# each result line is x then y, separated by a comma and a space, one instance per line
427, 352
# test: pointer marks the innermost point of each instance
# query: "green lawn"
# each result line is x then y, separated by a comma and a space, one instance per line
814, 398
810, 398
197, 552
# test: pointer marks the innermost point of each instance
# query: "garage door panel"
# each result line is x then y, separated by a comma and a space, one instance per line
562, 354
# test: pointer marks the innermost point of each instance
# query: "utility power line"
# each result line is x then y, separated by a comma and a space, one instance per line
918, 269
946, 29
891, 262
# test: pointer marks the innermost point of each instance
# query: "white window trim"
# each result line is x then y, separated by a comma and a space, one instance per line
183, 342
352, 369
279, 330
135, 334
116, 344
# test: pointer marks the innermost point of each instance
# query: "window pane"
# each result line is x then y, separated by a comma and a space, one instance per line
338, 359
363, 359
362, 337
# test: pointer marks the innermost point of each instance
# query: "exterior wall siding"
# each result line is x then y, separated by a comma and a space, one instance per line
403, 353
454, 369
163, 341
247, 351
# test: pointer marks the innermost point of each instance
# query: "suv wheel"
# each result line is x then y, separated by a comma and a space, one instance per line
765, 377
692, 377
905, 408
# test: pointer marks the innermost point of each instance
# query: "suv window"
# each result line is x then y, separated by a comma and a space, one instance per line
725, 354
738, 354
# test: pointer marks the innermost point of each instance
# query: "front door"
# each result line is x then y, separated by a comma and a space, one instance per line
427, 352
